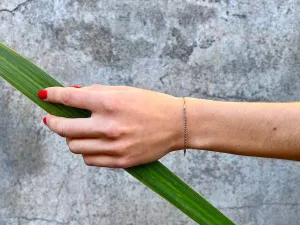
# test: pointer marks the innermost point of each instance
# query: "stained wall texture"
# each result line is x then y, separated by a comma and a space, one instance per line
226, 50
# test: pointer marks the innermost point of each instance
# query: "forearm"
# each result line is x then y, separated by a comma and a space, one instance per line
244, 128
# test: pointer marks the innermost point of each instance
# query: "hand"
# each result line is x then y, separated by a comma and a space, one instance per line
128, 126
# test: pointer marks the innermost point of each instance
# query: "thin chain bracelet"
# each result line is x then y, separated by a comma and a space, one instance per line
185, 121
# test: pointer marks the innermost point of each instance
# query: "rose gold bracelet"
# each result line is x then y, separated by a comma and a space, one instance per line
185, 122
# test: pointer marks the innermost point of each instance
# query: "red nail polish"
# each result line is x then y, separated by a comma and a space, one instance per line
76, 86
43, 94
45, 120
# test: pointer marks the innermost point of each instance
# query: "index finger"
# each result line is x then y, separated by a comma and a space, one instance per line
79, 98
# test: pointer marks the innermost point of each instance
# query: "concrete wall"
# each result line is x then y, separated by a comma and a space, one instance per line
228, 50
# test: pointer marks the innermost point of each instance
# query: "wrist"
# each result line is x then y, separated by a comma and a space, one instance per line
178, 124
198, 116
199, 113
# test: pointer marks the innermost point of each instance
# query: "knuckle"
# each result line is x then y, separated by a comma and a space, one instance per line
97, 129
123, 162
73, 147
88, 161
66, 97
110, 104
113, 131
61, 129
121, 148
120, 151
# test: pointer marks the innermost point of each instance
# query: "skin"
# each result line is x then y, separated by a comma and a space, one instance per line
131, 126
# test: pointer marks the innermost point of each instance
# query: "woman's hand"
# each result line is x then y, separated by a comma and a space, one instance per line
128, 126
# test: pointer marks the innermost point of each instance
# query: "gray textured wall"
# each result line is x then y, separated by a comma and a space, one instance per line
228, 50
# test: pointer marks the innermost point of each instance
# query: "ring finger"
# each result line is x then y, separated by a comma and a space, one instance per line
92, 146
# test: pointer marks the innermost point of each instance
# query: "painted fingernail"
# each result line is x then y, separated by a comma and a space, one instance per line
43, 94
45, 120
76, 86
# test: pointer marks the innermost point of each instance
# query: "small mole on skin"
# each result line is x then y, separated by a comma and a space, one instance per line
274, 128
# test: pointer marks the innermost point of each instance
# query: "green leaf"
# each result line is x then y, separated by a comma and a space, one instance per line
29, 79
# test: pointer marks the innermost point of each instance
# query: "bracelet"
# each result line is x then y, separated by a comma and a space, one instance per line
185, 129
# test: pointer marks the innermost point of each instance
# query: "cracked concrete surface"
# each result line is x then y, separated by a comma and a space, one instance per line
227, 50
11, 6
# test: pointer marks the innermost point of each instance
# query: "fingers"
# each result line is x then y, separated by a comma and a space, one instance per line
102, 156
105, 161
92, 146
77, 96
74, 97
79, 127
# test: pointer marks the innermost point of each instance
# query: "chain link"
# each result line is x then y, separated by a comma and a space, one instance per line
185, 122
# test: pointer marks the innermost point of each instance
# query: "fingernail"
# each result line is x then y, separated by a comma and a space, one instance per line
76, 86
43, 94
45, 120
